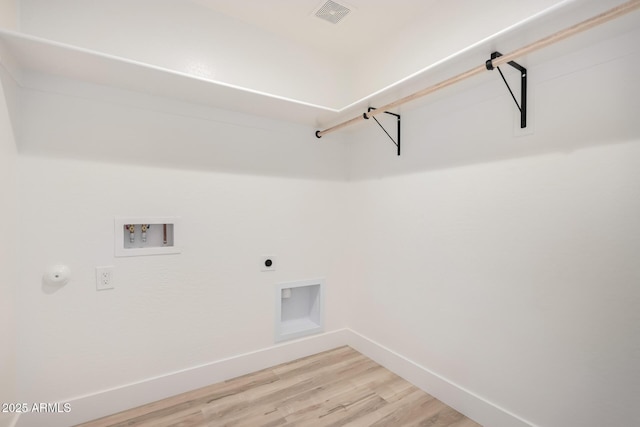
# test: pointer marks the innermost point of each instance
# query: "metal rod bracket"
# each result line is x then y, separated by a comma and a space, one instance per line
522, 105
396, 141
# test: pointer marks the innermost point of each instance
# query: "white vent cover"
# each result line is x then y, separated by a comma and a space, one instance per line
332, 12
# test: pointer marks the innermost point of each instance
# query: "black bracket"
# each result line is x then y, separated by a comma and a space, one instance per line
397, 116
522, 106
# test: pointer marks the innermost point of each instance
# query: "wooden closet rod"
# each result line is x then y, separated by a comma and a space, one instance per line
601, 18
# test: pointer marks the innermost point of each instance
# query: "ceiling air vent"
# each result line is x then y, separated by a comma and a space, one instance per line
332, 12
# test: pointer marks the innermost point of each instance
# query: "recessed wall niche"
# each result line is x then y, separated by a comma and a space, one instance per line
145, 236
299, 309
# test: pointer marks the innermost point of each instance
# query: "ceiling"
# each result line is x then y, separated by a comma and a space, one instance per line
367, 22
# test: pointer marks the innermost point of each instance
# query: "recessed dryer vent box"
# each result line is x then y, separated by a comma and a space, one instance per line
299, 309
140, 236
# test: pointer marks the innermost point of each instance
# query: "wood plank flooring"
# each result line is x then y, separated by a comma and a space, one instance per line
340, 387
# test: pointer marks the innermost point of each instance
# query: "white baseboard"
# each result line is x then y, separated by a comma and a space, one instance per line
462, 400
106, 402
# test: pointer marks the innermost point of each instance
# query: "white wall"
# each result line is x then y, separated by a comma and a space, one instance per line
72, 119
243, 187
168, 312
8, 244
515, 279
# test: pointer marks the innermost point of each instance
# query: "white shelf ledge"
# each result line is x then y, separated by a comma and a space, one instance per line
25, 53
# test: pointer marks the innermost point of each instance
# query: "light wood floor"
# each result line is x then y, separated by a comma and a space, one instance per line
340, 387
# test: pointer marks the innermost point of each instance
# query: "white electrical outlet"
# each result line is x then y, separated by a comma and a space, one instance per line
104, 278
